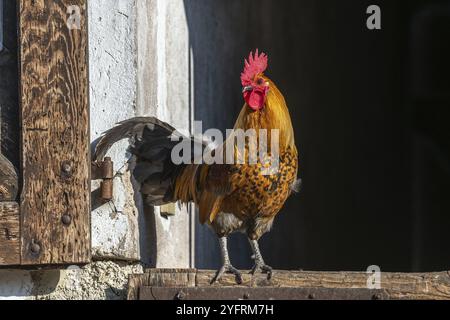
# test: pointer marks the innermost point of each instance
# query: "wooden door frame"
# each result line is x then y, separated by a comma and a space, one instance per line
50, 224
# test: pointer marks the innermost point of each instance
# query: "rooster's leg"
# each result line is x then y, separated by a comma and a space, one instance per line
260, 265
226, 264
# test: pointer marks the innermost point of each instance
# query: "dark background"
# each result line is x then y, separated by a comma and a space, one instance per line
370, 111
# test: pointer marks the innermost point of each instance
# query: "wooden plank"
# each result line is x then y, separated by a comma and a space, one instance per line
55, 203
160, 278
434, 285
9, 234
259, 293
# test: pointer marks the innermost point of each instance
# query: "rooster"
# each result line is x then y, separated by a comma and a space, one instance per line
230, 197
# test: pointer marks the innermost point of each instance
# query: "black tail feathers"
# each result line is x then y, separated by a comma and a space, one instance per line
152, 142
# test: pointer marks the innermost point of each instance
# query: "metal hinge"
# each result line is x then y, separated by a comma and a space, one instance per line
104, 170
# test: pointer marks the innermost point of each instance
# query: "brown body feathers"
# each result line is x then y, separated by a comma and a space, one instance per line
241, 190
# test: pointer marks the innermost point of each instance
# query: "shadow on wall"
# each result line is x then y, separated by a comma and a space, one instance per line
17, 285
345, 88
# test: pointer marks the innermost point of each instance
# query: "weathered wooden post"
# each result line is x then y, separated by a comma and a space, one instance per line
55, 141
49, 224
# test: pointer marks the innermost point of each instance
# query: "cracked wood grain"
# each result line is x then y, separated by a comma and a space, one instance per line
9, 234
55, 200
432, 285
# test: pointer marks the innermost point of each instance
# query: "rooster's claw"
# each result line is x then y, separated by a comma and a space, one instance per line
264, 268
228, 268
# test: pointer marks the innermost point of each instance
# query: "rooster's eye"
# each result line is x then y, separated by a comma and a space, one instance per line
260, 81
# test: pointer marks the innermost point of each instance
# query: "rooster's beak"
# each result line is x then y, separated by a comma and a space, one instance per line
247, 88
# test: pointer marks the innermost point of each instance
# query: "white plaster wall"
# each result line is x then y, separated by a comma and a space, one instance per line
139, 64
112, 67
164, 91
15, 285
139, 51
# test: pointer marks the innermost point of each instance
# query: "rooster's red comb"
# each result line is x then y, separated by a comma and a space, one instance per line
255, 64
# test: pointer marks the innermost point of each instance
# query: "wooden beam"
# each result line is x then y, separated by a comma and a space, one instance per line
393, 285
9, 234
55, 203
258, 293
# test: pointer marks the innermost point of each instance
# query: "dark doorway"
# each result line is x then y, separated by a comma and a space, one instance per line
9, 100
370, 109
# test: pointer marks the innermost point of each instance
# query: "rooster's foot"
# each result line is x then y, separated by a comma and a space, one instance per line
227, 268
263, 268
